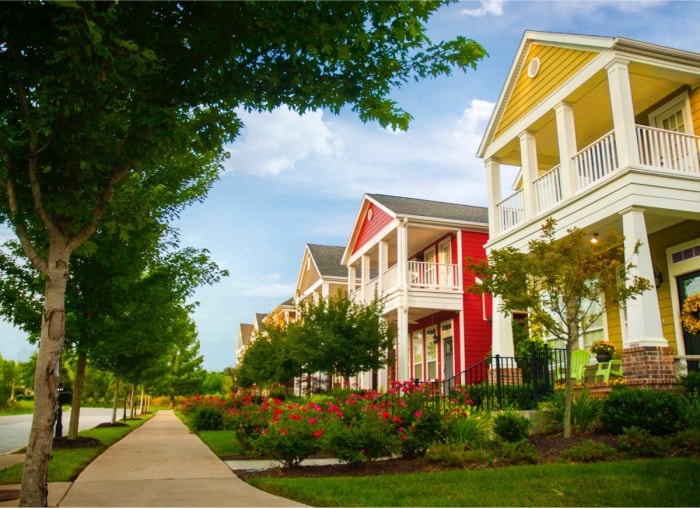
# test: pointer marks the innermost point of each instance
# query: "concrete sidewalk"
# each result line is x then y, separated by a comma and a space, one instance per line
162, 464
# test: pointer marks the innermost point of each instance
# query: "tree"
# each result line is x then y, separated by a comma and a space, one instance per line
565, 284
338, 336
110, 91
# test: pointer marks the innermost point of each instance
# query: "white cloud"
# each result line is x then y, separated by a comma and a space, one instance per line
494, 7
277, 141
269, 285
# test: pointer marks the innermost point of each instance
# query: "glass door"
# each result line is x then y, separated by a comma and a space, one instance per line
688, 285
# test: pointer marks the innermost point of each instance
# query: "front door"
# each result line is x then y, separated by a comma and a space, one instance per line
689, 284
447, 355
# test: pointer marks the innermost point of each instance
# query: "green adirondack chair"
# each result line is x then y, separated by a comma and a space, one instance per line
579, 361
607, 369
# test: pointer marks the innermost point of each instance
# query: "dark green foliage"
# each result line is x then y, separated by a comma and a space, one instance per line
636, 442
517, 452
690, 411
511, 426
658, 412
585, 413
686, 442
205, 418
589, 451
691, 383
366, 438
458, 455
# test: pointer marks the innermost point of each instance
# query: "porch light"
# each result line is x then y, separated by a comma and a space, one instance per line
658, 277
595, 239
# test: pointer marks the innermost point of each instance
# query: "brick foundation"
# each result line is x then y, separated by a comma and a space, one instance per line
649, 366
509, 376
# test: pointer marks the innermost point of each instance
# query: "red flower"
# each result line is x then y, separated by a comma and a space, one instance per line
318, 433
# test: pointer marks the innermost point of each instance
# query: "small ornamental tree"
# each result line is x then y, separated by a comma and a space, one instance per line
559, 282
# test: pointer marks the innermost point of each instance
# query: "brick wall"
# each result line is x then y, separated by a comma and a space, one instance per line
649, 366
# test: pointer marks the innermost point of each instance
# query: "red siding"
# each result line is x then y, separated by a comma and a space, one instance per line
369, 228
477, 333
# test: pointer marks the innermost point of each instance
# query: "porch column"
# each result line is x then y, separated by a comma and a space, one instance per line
383, 265
623, 113
528, 155
365, 278
502, 331
402, 253
643, 316
566, 137
493, 188
352, 277
402, 345
325, 290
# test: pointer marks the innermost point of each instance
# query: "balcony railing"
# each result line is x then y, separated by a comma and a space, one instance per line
658, 150
421, 275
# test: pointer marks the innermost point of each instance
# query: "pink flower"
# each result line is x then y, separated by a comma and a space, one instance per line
418, 413
292, 416
318, 433
386, 415
396, 419
313, 421
283, 432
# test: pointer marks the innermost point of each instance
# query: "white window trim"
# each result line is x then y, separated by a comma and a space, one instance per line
682, 102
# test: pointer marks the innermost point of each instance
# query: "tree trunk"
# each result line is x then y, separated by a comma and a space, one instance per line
132, 412
116, 399
77, 396
34, 477
141, 400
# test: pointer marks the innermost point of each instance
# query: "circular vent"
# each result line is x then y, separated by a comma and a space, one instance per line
534, 67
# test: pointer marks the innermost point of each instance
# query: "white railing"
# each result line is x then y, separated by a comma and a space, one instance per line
596, 161
437, 276
548, 189
668, 150
510, 211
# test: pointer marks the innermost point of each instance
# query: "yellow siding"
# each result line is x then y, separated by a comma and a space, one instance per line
695, 109
557, 65
658, 243
308, 277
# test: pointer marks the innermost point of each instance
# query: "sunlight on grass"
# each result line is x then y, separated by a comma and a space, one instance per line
223, 443
68, 463
659, 482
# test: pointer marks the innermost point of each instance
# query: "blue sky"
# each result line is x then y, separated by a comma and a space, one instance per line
295, 180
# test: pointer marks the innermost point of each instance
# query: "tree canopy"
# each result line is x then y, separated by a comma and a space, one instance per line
97, 93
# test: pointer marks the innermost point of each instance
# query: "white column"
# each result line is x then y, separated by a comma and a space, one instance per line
643, 315
502, 331
325, 290
623, 113
528, 159
493, 187
383, 265
566, 137
402, 345
367, 294
402, 253
352, 277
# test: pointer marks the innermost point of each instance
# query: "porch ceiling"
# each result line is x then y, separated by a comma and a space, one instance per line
418, 239
593, 112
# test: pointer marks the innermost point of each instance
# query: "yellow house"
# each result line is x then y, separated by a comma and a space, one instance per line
605, 134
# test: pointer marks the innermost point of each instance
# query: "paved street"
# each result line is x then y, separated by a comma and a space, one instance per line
14, 430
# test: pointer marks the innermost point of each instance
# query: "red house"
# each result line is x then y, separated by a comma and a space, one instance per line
412, 252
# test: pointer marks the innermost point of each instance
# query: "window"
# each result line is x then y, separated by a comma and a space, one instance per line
418, 355
431, 353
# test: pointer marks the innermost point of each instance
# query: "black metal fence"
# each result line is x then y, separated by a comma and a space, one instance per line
499, 382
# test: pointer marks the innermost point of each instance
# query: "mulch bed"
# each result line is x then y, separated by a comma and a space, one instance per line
549, 447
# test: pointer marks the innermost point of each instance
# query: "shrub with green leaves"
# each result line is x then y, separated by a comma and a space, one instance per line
658, 412
369, 436
589, 451
690, 411
691, 383
585, 413
458, 455
637, 442
511, 426
517, 452
474, 429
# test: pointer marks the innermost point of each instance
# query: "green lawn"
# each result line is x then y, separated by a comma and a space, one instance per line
68, 463
657, 482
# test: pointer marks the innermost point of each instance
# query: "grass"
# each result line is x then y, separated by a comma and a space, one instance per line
658, 482
223, 443
66, 464
18, 407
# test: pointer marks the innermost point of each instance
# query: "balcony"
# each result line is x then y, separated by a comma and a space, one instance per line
421, 277
660, 151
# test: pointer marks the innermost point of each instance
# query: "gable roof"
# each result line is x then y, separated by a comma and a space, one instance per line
412, 207
327, 259
245, 333
595, 45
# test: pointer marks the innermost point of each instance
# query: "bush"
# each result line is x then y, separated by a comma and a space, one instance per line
691, 383
474, 430
511, 427
690, 411
205, 418
657, 412
636, 442
368, 437
519, 452
585, 412
589, 451
425, 429
686, 442
458, 455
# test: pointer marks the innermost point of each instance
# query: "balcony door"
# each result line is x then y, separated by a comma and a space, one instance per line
669, 151
429, 259
445, 278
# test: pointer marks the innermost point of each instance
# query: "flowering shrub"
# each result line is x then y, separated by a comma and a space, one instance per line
369, 436
293, 432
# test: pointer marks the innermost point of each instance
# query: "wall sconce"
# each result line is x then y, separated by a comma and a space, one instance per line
658, 277
595, 239
436, 338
